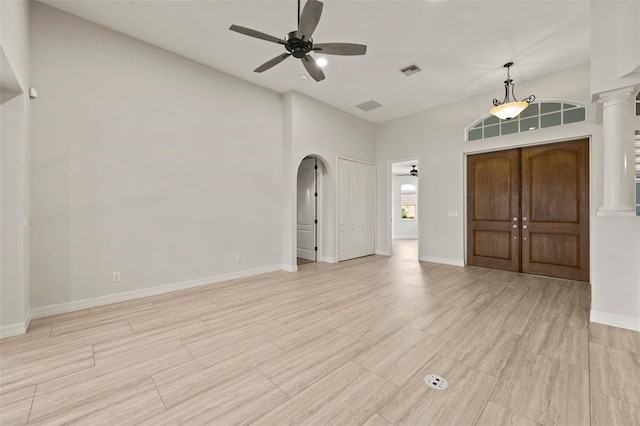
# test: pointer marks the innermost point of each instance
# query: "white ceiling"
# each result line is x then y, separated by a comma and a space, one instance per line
460, 45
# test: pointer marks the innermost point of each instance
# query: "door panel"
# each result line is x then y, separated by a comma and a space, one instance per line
493, 202
356, 203
555, 203
306, 228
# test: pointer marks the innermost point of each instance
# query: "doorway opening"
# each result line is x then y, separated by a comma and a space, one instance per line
309, 210
404, 209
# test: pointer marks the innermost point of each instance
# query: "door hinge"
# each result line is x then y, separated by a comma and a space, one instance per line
315, 167
315, 194
315, 221
315, 249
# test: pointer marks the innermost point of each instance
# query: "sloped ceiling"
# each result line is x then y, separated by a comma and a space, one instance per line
459, 45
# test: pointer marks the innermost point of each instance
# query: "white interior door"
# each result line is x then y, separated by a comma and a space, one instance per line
306, 227
356, 209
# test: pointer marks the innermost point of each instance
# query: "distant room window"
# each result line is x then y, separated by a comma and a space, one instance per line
408, 197
537, 116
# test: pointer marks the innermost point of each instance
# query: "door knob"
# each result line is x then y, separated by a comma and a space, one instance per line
515, 219
524, 226
516, 226
524, 219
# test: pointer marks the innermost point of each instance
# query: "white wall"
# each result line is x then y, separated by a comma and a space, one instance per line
14, 164
438, 137
615, 45
145, 163
402, 228
315, 128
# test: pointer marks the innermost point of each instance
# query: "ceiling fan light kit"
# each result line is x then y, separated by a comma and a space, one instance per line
508, 109
299, 43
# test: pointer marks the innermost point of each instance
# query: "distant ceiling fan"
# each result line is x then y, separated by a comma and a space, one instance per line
412, 172
299, 43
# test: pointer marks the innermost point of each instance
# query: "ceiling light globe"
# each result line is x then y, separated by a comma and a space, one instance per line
322, 62
509, 110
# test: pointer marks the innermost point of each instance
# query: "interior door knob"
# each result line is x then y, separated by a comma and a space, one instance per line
524, 226
524, 219
515, 219
515, 226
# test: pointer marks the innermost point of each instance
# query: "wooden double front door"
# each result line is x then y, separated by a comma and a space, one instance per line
528, 210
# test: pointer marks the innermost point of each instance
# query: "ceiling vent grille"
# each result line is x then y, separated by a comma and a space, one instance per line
410, 70
369, 105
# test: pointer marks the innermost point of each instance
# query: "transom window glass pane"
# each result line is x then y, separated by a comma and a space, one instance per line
491, 120
567, 106
528, 124
491, 131
475, 134
509, 127
550, 120
574, 115
530, 111
549, 107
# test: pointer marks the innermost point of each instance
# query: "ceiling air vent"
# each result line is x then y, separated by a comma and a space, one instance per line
369, 105
410, 70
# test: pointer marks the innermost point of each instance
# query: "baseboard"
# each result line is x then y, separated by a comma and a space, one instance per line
405, 237
383, 252
75, 305
328, 259
613, 320
15, 329
289, 268
443, 260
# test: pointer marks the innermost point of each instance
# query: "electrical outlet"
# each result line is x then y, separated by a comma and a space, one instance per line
116, 277
238, 258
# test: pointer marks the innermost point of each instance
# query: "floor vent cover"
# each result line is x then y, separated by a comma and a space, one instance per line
436, 382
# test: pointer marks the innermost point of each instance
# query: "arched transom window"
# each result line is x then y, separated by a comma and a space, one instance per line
538, 115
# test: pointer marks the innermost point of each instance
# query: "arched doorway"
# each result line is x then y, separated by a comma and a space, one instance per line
311, 211
307, 211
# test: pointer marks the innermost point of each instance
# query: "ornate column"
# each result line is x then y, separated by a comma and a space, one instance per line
617, 137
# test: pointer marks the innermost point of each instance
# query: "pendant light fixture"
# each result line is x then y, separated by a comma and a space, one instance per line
508, 109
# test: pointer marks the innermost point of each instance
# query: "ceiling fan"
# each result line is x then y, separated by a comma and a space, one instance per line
299, 43
412, 172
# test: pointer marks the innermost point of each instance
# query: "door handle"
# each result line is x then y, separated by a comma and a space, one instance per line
515, 219
524, 226
515, 226
524, 219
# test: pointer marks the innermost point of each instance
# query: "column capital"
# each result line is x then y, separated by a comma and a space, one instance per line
615, 97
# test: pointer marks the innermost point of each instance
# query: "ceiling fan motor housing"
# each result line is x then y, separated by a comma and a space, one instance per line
298, 47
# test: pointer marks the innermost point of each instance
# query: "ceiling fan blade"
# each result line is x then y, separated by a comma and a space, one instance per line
340, 48
273, 62
309, 18
256, 34
312, 68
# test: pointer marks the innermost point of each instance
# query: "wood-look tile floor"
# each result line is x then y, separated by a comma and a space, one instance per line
348, 344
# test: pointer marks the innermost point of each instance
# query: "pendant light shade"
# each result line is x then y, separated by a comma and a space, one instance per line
508, 109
